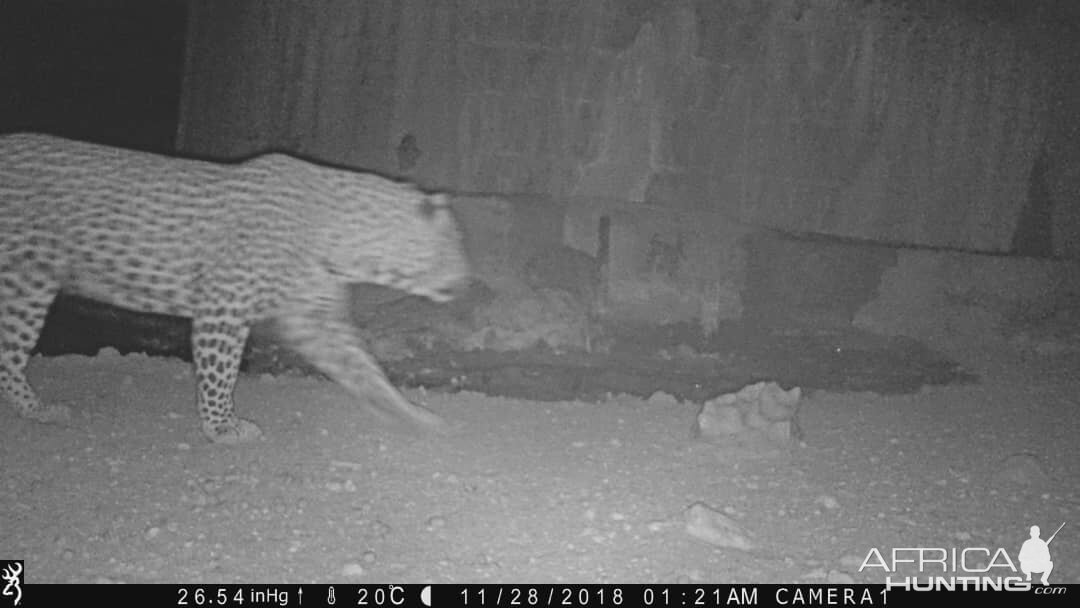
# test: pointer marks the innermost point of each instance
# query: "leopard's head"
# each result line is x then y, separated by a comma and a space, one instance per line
409, 240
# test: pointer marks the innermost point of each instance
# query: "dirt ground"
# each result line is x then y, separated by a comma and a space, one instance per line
616, 490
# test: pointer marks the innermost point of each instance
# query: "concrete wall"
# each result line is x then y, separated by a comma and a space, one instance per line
310, 77
686, 125
912, 122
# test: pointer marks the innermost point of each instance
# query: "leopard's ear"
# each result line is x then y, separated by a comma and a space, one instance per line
433, 202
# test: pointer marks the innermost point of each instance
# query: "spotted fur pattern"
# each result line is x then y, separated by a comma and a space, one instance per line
224, 244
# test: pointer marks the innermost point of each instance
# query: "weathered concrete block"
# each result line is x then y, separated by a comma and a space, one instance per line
951, 297
503, 232
667, 266
819, 280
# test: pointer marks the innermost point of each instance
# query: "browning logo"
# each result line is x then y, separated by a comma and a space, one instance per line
11, 574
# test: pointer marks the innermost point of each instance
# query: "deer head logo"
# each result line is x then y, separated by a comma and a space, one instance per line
11, 577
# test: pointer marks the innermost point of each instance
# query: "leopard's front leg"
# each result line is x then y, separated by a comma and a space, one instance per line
217, 346
24, 303
330, 343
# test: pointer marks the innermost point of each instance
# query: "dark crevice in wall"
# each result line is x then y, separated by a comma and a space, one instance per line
1034, 234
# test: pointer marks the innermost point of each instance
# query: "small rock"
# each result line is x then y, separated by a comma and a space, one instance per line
850, 562
783, 431
715, 528
663, 399
719, 421
1021, 469
352, 570
657, 525
828, 502
685, 351
836, 577
755, 420
778, 404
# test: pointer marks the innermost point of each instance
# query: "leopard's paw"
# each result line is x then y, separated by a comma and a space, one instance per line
233, 432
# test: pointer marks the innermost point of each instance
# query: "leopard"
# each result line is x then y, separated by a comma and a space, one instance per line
273, 237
